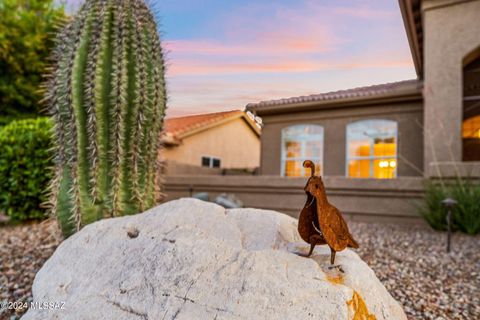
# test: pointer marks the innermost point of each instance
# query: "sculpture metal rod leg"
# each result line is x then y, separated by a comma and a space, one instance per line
312, 246
332, 256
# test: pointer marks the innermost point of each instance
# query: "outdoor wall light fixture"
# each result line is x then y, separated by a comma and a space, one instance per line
449, 203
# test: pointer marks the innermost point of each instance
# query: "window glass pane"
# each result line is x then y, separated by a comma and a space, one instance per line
359, 148
216, 163
384, 147
299, 143
313, 149
205, 162
293, 168
292, 149
359, 168
384, 168
471, 128
471, 139
375, 141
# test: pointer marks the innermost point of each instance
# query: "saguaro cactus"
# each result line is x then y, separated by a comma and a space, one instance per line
106, 93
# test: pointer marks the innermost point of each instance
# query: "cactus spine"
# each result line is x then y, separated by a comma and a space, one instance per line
106, 93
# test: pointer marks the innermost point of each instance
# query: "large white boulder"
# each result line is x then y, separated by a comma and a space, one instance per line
189, 259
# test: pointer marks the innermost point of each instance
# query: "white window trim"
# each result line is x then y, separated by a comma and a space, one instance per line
371, 157
211, 161
284, 158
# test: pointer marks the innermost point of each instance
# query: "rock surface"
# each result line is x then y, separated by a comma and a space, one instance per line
189, 259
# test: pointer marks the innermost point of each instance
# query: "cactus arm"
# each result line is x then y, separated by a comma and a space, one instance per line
153, 99
129, 111
160, 110
158, 103
81, 163
103, 90
118, 99
66, 204
140, 81
54, 96
151, 143
149, 85
89, 102
143, 122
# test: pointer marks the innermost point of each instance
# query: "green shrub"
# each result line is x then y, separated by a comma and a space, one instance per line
6, 120
466, 214
25, 161
467, 211
432, 210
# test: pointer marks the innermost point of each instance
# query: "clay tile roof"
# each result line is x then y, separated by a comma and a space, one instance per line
360, 92
181, 126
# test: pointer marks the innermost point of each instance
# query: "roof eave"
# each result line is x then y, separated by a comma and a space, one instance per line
410, 28
169, 140
218, 123
403, 96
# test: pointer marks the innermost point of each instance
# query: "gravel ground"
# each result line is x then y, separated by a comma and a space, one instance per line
23, 250
413, 265
410, 261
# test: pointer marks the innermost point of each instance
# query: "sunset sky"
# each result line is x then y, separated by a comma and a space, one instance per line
224, 54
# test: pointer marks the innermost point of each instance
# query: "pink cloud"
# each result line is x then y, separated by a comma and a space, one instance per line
210, 67
295, 39
364, 12
265, 44
297, 50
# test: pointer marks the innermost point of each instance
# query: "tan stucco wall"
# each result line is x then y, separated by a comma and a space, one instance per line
233, 142
368, 200
408, 115
451, 31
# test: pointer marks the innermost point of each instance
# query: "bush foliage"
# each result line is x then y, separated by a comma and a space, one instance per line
466, 214
25, 161
26, 42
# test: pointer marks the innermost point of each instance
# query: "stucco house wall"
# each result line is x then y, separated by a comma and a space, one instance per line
451, 32
234, 142
408, 115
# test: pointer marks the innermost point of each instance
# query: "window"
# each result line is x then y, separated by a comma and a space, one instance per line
471, 107
300, 143
471, 139
210, 162
372, 149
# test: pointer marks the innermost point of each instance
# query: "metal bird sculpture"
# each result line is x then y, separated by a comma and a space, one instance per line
320, 222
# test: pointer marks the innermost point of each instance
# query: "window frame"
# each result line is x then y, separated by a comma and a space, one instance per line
211, 159
371, 157
284, 159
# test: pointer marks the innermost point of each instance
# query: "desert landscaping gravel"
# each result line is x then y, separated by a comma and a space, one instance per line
412, 263
23, 250
409, 260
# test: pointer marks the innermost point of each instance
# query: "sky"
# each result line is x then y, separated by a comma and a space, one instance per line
222, 55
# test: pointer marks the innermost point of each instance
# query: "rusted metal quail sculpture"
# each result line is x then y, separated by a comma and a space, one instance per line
320, 222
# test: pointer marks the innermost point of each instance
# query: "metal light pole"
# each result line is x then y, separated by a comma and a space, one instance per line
190, 191
449, 203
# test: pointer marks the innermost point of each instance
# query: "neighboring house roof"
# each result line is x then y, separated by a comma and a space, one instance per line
176, 129
412, 19
402, 90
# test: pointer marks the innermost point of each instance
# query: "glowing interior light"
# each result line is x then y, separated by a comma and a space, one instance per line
393, 164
